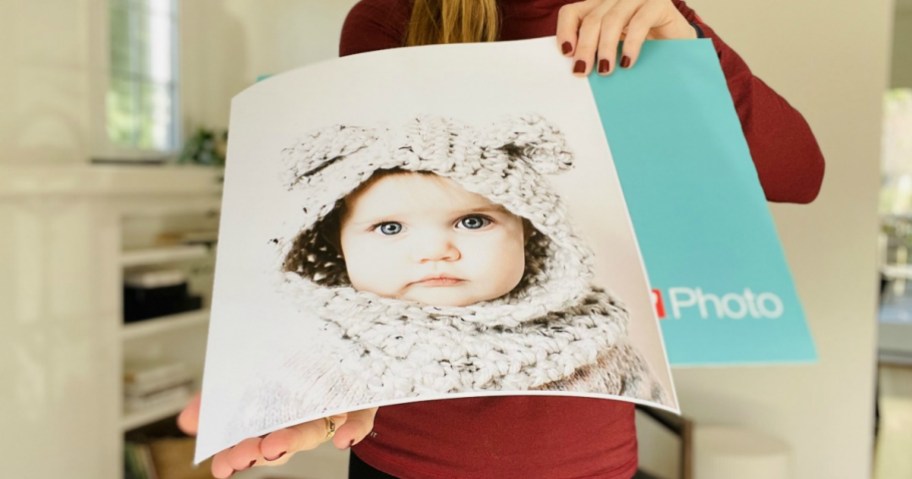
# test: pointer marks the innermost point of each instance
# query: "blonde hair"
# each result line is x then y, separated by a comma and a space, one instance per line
452, 21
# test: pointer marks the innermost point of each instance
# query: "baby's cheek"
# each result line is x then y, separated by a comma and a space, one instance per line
519, 266
508, 265
374, 274
359, 270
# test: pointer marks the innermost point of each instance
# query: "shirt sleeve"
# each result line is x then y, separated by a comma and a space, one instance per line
374, 25
785, 153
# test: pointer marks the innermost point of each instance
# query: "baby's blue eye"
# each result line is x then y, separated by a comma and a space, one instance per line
474, 222
389, 229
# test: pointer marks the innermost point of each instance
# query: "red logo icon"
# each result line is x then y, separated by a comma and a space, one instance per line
658, 304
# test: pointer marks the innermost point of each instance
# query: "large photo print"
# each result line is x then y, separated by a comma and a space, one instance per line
456, 230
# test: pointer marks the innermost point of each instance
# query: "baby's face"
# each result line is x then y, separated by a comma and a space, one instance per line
424, 238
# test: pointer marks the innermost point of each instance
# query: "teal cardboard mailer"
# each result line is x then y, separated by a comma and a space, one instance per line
720, 283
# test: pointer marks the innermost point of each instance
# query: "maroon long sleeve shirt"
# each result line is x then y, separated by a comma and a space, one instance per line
551, 437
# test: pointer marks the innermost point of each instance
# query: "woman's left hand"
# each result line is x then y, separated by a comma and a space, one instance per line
589, 31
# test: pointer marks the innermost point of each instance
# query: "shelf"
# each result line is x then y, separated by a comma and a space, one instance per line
141, 418
152, 326
168, 254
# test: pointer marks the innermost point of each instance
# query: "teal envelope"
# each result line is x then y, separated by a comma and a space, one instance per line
721, 285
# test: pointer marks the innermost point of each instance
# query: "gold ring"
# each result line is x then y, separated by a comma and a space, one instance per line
330, 428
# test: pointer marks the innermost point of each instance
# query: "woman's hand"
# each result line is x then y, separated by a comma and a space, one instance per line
589, 31
277, 447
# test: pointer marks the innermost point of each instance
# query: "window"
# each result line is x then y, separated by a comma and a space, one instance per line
896, 153
142, 96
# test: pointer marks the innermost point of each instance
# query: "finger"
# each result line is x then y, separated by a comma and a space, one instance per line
637, 30
358, 425
244, 455
588, 38
188, 420
220, 467
302, 437
568, 22
613, 25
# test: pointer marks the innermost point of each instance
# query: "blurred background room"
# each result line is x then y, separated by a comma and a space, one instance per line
113, 126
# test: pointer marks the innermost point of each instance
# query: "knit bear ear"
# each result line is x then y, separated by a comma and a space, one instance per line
323, 147
535, 140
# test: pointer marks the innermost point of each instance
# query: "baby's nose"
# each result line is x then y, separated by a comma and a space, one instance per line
435, 247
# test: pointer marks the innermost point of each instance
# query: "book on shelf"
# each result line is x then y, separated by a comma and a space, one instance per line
152, 293
149, 388
153, 383
175, 395
149, 371
206, 237
138, 462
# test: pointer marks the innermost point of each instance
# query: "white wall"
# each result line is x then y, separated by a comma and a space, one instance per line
44, 89
213, 56
228, 44
831, 63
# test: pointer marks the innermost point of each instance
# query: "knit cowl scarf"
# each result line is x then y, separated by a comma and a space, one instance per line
403, 349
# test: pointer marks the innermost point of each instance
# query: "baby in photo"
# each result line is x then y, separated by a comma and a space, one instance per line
441, 261
441, 252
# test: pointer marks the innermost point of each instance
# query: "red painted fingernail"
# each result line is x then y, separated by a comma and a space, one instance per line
277, 457
566, 47
579, 66
625, 62
251, 464
352, 443
604, 66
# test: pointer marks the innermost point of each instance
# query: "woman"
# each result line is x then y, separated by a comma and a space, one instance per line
531, 436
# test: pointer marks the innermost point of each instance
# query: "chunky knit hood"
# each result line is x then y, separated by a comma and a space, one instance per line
504, 162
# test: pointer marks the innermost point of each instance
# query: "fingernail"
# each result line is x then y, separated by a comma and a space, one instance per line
604, 66
351, 444
625, 62
230, 474
566, 47
277, 457
579, 66
251, 464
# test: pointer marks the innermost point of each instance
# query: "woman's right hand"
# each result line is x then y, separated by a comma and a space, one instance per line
589, 31
277, 447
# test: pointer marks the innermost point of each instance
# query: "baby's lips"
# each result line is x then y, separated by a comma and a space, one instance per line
440, 281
